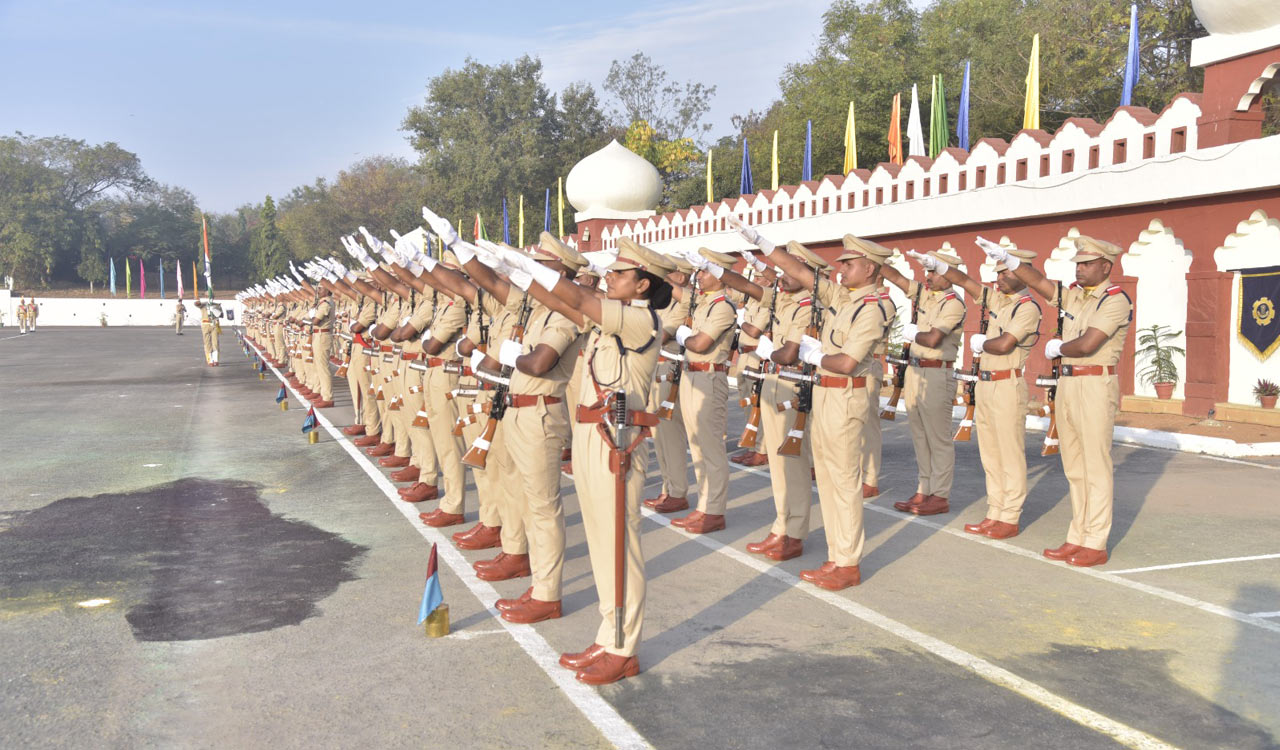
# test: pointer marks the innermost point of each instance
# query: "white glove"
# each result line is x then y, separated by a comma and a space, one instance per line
909, 332
427, 263
997, 254
927, 262
976, 341
696, 260
751, 235
488, 253
683, 333
441, 227
714, 270
1053, 349
464, 250
811, 351
756, 263
765, 349
742, 316
426, 335
508, 352
477, 357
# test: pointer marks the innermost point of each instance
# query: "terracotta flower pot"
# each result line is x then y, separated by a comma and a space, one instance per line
1164, 390
1268, 402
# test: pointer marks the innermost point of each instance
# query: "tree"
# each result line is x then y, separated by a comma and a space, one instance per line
270, 255
674, 110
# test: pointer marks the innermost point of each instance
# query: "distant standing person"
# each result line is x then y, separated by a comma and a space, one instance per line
210, 328
178, 315
33, 312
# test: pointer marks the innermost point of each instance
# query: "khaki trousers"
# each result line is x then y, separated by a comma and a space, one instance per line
789, 476
364, 376
541, 431
489, 485
355, 369
382, 383
839, 417
704, 410
872, 440
442, 412
505, 483
745, 361
177, 324
321, 343
595, 487
928, 395
670, 443
209, 333
277, 342
1086, 420
1000, 419
420, 445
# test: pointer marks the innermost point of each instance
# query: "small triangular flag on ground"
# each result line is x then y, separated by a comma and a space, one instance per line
432, 597
309, 423
282, 395
262, 366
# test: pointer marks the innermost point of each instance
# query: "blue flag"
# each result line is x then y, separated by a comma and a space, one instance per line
431, 595
506, 223
806, 173
1131, 59
546, 216
962, 119
161, 263
747, 185
309, 423
113, 276
282, 395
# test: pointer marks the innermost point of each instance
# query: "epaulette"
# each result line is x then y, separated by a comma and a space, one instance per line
874, 299
949, 295
884, 294
806, 302
1073, 285
1024, 298
721, 298
1114, 290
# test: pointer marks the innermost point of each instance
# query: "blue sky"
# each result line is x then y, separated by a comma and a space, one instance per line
235, 100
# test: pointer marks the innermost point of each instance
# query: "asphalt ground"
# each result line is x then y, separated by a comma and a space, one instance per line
261, 591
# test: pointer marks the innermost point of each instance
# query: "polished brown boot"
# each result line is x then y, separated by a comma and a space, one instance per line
534, 610
566, 454
394, 462
931, 506
567, 468
366, 441
869, 492
685, 520
906, 505
502, 605
609, 668
582, 659
812, 575
353, 430
381, 449
789, 549
442, 519
705, 524
755, 459
420, 492
407, 474
486, 537
1001, 530
979, 528
839, 577
511, 566
665, 503
322, 404
1086, 557
764, 545
1062, 553
738, 458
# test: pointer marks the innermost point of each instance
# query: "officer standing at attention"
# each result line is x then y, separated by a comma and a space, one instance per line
210, 329
1097, 318
179, 313
930, 389
322, 321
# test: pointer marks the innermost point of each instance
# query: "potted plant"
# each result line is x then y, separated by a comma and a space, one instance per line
1266, 391
1161, 371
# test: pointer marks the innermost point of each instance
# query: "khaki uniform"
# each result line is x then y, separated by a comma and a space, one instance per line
500, 466
541, 429
670, 443
386, 379
631, 370
210, 329
1087, 405
930, 391
321, 344
278, 312
1000, 415
872, 438
412, 396
755, 313
438, 381
364, 360
704, 399
179, 315
788, 475
840, 414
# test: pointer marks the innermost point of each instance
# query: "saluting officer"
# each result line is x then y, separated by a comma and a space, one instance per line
670, 441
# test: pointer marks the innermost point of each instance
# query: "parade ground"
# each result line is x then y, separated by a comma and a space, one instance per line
180, 568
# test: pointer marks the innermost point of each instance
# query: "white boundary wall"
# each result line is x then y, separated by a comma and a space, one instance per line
64, 311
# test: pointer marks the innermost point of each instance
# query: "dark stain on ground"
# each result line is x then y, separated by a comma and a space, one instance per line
193, 559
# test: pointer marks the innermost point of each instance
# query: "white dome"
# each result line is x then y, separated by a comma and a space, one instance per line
613, 183
1236, 16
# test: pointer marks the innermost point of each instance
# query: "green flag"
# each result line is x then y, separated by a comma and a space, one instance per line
938, 132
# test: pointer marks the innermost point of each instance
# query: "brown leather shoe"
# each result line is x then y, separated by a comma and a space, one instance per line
567, 467
511, 566
566, 454
706, 524
686, 520
407, 474
609, 668
1086, 557
812, 575
868, 491
322, 404
381, 449
1001, 530
979, 528
478, 564
420, 492
353, 429
1062, 553
582, 659
906, 505
366, 441
649, 502
738, 458
502, 605
486, 537
394, 462
839, 578
755, 459
790, 548
460, 535
932, 506
669, 504
534, 610
764, 545
442, 519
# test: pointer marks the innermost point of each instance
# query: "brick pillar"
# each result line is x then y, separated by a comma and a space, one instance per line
1225, 83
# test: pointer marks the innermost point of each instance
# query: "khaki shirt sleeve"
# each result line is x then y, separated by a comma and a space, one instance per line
864, 334
559, 333
448, 323
1113, 313
421, 317
949, 316
368, 314
794, 329
1025, 321
720, 317
632, 324
391, 316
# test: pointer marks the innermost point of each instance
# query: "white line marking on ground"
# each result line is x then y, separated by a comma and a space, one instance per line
1172, 566
1110, 577
1206, 455
1266, 614
616, 730
1122, 733
6, 338
466, 635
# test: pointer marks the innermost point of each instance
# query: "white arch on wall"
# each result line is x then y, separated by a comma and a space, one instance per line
1160, 262
1254, 244
1255, 88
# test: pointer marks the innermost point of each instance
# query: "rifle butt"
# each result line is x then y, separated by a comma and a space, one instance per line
420, 420
965, 431
890, 410
751, 432
794, 440
478, 454
667, 409
1051, 437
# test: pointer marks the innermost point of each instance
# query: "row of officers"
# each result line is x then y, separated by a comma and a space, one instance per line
522, 364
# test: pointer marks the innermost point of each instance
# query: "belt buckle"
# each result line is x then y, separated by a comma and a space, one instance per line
1066, 370
985, 374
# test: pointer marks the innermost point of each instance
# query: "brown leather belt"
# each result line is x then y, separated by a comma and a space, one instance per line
999, 374
321, 330
1069, 371
589, 415
826, 381
457, 368
917, 362
435, 361
409, 356
385, 348
521, 400
705, 367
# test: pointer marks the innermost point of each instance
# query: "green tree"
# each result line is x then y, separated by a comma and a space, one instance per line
270, 255
644, 93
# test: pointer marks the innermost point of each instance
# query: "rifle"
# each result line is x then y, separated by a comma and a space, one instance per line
468, 415
421, 419
751, 433
619, 462
478, 454
1051, 395
971, 381
890, 410
667, 409
804, 399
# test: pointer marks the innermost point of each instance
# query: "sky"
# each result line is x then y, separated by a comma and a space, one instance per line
237, 100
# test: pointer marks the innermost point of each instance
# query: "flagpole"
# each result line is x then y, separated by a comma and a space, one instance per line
774, 183
710, 153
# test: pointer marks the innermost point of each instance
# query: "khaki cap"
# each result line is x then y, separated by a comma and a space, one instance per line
632, 255
949, 258
808, 256
724, 260
551, 248
856, 247
449, 260
1089, 248
1020, 254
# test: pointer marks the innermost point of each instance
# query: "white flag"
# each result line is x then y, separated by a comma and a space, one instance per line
915, 135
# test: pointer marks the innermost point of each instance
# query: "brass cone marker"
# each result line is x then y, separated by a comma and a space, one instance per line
437, 624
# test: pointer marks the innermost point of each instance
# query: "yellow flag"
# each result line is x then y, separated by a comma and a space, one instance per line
850, 144
195, 281
560, 202
775, 160
521, 221
710, 197
1031, 107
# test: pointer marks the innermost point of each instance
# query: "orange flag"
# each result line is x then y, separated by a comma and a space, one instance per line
895, 130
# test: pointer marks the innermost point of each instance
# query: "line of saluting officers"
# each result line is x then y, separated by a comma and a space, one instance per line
521, 365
